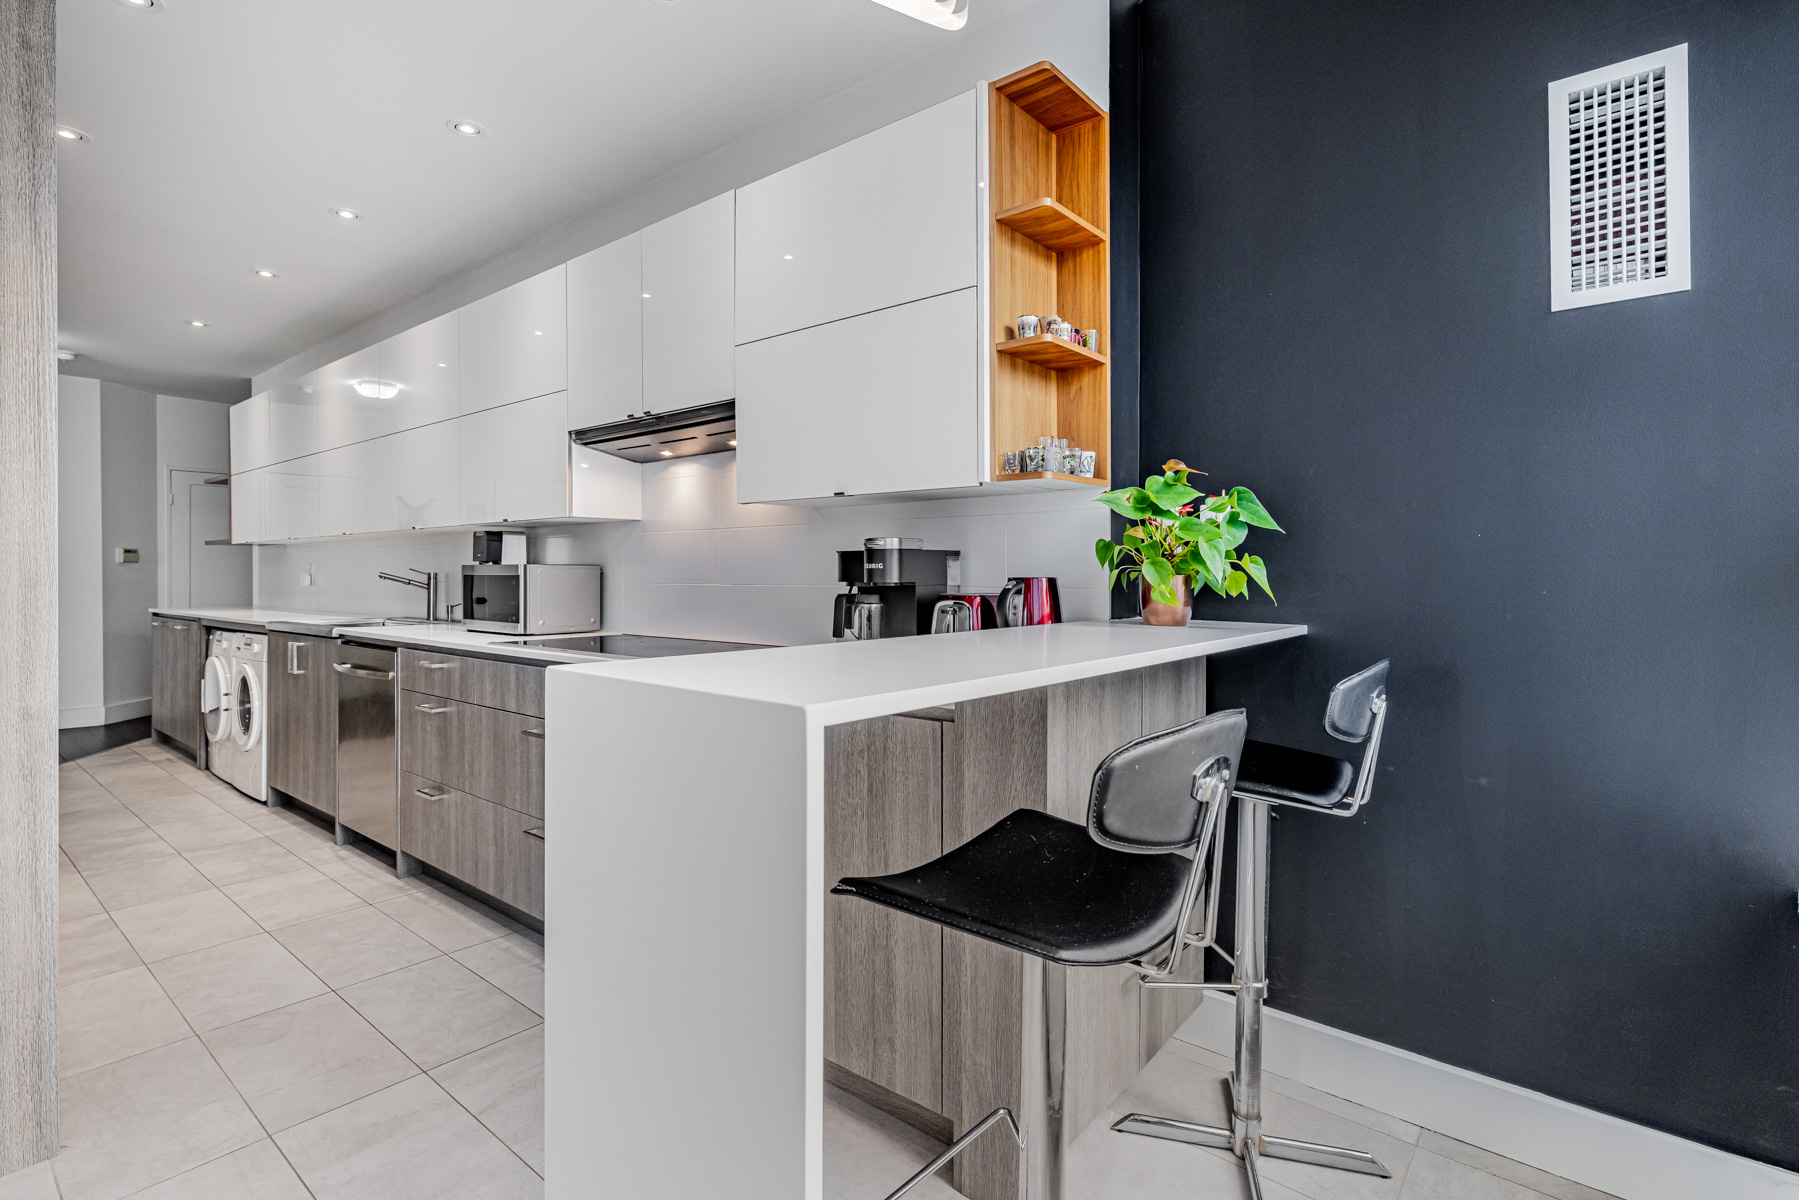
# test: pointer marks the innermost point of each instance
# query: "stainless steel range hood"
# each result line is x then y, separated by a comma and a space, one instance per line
653, 437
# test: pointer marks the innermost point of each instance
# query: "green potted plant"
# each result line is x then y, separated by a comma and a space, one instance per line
1181, 540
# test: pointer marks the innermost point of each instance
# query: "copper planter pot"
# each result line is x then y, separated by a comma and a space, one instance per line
1169, 614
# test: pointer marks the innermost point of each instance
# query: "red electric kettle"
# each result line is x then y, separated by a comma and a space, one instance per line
1029, 600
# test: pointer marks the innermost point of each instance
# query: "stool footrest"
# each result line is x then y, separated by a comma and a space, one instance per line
1215, 1138
960, 1144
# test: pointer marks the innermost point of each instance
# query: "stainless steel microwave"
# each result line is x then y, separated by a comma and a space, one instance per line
530, 598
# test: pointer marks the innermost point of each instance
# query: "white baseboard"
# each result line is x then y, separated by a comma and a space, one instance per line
127, 709
1604, 1152
80, 718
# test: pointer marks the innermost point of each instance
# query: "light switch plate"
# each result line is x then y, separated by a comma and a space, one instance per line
124, 554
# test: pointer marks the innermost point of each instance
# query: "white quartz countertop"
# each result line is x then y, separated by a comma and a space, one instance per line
456, 638
255, 616
846, 681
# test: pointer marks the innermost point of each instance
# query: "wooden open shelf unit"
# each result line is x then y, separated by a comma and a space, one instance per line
1049, 189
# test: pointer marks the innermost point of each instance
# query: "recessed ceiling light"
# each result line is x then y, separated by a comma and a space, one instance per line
443, 364
71, 135
537, 333
667, 453
198, 324
465, 128
348, 214
65, 356
646, 295
732, 442
140, 5
263, 273
376, 389
788, 257
944, 14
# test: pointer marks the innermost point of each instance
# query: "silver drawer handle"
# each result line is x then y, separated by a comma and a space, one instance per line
428, 794
532, 733
429, 709
174, 625
360, 672
535, 833
429, 666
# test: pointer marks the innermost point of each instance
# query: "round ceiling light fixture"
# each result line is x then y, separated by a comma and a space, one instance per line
465, 128
141, 5
198, 324
375, 389
266, 274
65, 356
348, 214
68, 134
944, 14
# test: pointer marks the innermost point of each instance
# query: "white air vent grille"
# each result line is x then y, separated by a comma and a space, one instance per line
1618, 182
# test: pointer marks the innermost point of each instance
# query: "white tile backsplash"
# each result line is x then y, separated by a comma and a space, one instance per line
701, 565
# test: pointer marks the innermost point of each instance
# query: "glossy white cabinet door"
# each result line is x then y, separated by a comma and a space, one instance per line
603, 486
688, 307
293, 428
891, 217
605, 333
345, 477
290, 500
515, 461
515, 342
885, 402
344, 414
424, 363
249, 420
246, 506
416, 481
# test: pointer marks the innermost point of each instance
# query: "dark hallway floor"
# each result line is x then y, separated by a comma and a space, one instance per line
72, 744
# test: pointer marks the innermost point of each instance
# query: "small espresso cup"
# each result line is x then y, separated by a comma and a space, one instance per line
1027, 327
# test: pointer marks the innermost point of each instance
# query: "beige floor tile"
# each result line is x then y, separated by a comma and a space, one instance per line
1380, 1122
1174, 1086
308, 1058
446, 922
438, 1010
152, 785
1497, 1164
108, 850
868, 1153
88, 947
368, 877
165, 928
64, 864
127, 885
1434, 1177
33, 1183
514, 964
408, 1142
167, 810
257, 1172
82, 796
146, 1119
221, 829
234, 863
233, 982
91, 824
75, 899
502, 1085
309, 845
349, 947
277, 901
114, 1017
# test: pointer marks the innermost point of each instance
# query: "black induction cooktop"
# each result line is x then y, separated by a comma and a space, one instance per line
631, 645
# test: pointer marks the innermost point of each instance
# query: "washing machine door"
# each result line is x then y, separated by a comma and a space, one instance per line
215, 699
247, 715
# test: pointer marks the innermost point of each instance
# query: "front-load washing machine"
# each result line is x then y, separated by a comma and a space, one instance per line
240, 756
215, 704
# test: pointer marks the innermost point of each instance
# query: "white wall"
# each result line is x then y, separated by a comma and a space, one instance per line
128, 511
701, 565
80, 630
191, 435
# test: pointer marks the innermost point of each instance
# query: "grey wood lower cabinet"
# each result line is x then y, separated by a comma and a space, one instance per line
513, 687
486, 845
303, 719
486, 752
177, 662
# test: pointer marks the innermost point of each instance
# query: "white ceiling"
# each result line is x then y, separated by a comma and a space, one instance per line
223, 132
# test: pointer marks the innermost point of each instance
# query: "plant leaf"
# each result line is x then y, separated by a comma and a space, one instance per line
1105, 551
1235, 582
1212, 555
1134, 503
1234, 532
1252, 510
1169, 492
1258, 572
1216, 586
1157, 570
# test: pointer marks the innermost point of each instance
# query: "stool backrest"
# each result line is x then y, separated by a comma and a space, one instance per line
1350, 713
1148, 794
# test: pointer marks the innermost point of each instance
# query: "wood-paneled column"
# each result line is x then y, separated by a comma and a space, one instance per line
28, 704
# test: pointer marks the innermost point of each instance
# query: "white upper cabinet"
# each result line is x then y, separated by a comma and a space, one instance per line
515, 342
515, 461
884, 402
249, 421
293, 429
605, 333
417, 478
423, 365
246, 506
346, 476
688, 323
290, 499
345, 400
891, 217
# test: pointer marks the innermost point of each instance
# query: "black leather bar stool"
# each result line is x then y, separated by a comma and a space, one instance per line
1070, 895
1271, 775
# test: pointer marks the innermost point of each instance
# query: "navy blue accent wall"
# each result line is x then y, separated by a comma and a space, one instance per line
1575, 534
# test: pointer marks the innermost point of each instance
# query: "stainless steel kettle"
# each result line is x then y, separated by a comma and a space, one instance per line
858, 617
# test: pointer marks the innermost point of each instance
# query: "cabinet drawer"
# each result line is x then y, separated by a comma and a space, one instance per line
485, 845
482, 681
486, 752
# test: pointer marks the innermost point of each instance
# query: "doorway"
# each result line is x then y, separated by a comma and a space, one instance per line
204, 569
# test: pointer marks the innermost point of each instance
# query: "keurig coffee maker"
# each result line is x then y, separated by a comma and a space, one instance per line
894, 583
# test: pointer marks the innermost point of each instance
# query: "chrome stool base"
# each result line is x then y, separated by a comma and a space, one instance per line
1271, 1147
956, 1147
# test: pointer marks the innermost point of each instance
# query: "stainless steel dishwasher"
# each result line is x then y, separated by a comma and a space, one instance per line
368, 764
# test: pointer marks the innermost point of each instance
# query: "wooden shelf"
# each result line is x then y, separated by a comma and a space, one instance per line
1051, 352
215, 480
1050, 225
1049, 477
1049, 96
218, 542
